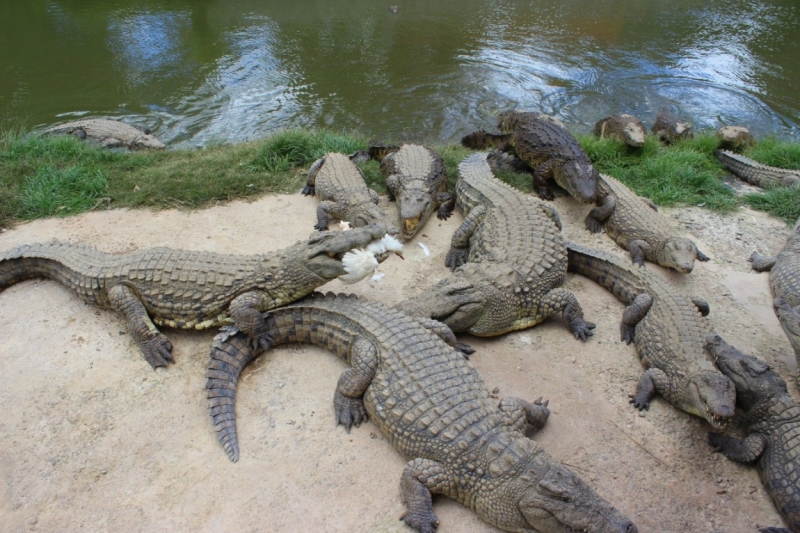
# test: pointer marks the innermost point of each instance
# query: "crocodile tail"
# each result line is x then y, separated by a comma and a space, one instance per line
230, 353
481, 140
42, 260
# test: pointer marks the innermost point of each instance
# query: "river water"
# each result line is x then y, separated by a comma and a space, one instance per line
205, 71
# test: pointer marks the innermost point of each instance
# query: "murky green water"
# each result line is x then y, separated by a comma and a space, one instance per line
197, 71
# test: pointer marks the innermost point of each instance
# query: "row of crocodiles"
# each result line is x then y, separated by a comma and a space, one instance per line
407, 371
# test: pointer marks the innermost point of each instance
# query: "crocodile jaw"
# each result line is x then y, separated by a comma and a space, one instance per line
678, 253
414, 212
712, 396
579, 179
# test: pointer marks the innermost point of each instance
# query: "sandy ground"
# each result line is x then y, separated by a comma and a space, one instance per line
94, 440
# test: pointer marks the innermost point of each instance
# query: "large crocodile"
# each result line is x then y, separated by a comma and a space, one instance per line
755, 173
735, 138
186, 289
784, 282
416, 178
433, 407
340, 184
771, 421
625, 128
509, 260
108, 133
668, 130
669, 333
547, 146
634, 223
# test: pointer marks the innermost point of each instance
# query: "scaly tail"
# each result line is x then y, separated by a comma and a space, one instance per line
53, 260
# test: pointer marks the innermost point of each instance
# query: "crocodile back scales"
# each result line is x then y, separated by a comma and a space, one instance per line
784, 277
538, 140
755, 173
419, 167
340, 180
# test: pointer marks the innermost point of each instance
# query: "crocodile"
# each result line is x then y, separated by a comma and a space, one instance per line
755, 173
108, 133
416, 178
771, 422
546, 146
186, 289
625, 128
668, 130
634, 223
784, 282
735, 138
433, 407
340, 184
509, 262
669, 331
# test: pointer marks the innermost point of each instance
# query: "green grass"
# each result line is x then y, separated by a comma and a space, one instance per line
59, 176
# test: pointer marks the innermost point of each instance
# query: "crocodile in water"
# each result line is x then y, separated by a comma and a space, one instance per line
735, 138
771, 421
434, 408
755, 173
340, 184
669, 333
784, 282
509, 260
634, 223
108, 133
186, 289
625, 128
547, 147
416, 178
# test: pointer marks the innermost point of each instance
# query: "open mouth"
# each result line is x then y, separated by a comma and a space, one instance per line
718, 421
410, 225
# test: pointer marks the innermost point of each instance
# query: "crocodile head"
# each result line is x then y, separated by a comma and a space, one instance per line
561, 502
678, 253
415, 206
789, 318
753, 378
146, 141
634, 134
454, 301
579, 179
325, 250
711, 396
370, 213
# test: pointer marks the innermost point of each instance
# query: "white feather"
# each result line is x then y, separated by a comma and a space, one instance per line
358, 264
377, 276
345, 225
425, 249
385, 244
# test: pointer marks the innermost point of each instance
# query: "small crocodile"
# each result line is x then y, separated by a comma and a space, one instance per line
509, 260
634, 223
755, 173
625, 128
668, 129
546, 146
340, 184
186, 289
434, 408
735, 138
108, 133
416, 178
669, 333
771, 421
784, 282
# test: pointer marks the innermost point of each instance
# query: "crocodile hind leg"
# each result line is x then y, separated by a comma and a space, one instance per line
155, 346
523, 415
745, 450
596, 217
459, 244
245, 311
762, 262
447, 202
653, 380
308, 190
348, 402
421, 478
564, 301
632, 315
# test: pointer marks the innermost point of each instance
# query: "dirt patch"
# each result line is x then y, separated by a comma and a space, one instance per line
93, 439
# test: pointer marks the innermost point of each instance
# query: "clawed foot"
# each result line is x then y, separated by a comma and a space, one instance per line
424, 523
626, 333
716, 441
702, 257
320, 226
465, 349
456, 257
581, 329
639, 402
443, 213
349, 411
157, 351
540, 413
308, 190
545, 193
593, 225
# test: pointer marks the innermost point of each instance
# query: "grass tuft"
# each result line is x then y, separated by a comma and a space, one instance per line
56, 192
770, 151
780, 202
296, 148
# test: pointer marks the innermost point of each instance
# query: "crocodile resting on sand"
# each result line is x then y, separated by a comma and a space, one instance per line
784, 282
186, 289
755, 173
634, 223
669, 333
509, 260
546, 145
771, 420
625, 128
108, 133
416, 179
433, 407
340, 184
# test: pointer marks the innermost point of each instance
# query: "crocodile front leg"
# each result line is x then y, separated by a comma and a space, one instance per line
442, 331
326, 209
522, 415
653, 380
348, 402
745, 450
246, 312
540, 175
595, 218
459, 244
563, 300
311, 178
761, 263
632, 315
638, 249
447, 202
421, 478
156, 347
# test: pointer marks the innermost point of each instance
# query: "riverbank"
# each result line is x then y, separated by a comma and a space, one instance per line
42, 177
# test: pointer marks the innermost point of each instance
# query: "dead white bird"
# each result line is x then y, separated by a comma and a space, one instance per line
363, 262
